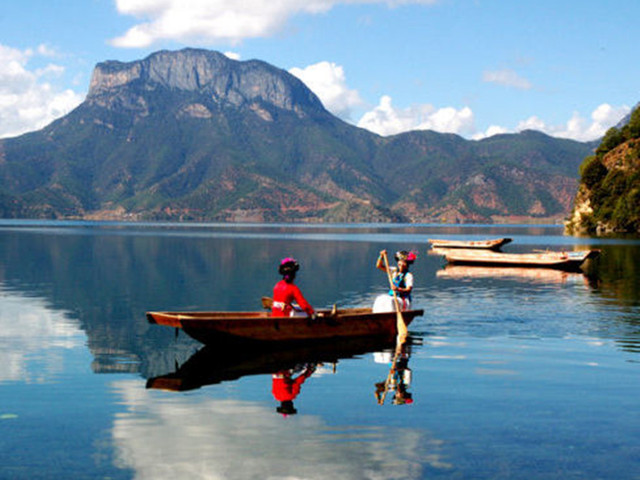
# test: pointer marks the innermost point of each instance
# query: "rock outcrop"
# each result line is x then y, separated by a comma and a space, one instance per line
212, 75
608, 198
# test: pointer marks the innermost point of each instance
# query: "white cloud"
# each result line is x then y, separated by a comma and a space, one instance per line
490, 132
507, 78
328, 82
449, 120
385, 119
203, 21
232, 55
27, 100
579, 128
46, 51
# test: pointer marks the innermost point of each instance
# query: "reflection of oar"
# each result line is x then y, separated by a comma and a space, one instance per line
399, 344
402, 327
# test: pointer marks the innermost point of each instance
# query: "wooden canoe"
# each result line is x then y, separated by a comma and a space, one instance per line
492, 244
571, 261
261, 327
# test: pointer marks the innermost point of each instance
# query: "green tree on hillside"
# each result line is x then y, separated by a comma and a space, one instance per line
634, 124
614, 192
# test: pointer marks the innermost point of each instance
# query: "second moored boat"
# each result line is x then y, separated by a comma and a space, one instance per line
491, 244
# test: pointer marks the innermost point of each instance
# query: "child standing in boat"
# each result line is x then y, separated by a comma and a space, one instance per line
402, 280
285, 292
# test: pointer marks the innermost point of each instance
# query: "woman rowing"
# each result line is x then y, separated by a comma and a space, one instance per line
402, 280
285, 292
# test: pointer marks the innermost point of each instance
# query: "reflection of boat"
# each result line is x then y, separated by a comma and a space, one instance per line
492, 244
225, 327
211, 365
570, 261
543, 275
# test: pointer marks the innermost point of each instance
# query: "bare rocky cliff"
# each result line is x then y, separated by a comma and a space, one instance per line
217, 78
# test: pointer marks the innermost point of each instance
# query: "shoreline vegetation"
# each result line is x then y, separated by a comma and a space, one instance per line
608, 197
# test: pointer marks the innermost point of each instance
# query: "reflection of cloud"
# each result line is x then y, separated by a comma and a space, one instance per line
27, 329
197, 437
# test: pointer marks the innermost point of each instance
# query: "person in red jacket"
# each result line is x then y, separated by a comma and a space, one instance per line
286, 292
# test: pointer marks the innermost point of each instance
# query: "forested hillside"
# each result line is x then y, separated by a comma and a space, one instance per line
608, 198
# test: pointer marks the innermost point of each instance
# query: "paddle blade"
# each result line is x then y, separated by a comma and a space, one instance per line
403, 331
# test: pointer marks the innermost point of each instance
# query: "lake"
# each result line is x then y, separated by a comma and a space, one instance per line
510, 373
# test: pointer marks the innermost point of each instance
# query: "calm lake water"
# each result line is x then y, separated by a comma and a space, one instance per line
511, 373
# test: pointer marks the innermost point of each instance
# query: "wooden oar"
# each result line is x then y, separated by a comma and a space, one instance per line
401, 326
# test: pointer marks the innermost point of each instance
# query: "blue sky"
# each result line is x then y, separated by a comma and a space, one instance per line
471, 67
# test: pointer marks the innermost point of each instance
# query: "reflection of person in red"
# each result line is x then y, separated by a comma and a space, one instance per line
285, 292
285, 388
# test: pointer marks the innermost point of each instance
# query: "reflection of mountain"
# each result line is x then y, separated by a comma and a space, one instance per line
619, 280
213, 365
620, 272
105, 277
183, 436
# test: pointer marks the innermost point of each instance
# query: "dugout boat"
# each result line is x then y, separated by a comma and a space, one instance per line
224, 328
570, 261
491, 244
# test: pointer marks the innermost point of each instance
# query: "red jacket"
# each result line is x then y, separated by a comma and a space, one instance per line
283, 296
285, 388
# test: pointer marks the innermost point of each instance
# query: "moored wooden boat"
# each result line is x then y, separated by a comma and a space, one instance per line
490, 244
260, 327
571, 261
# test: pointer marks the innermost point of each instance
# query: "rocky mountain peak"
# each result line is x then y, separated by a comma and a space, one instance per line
209, 73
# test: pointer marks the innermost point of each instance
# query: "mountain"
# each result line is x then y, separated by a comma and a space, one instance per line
608, 198
194, 135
